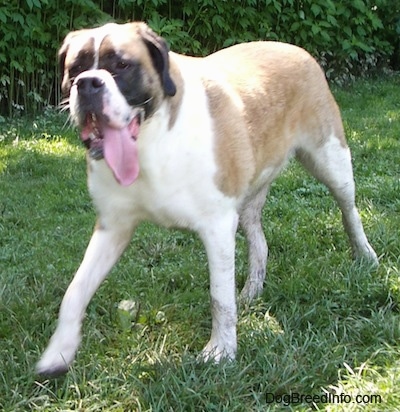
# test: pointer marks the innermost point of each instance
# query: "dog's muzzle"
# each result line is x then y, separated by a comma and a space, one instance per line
90, 92
109, 125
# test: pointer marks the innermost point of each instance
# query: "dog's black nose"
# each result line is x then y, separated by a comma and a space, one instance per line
88, 86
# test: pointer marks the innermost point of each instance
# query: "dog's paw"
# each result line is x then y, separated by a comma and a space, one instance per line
217, 352
250, 291
55, 360
51, 370
366, 254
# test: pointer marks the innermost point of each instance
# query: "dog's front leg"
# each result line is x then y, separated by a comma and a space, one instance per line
219, 240
105, 247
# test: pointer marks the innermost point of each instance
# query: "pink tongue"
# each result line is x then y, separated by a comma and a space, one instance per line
121, 154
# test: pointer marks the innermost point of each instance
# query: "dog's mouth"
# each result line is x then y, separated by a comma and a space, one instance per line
117, 145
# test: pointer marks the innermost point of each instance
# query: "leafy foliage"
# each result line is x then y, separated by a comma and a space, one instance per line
348, 38
30, 34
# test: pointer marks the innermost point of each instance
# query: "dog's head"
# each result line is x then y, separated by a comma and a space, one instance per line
115, 76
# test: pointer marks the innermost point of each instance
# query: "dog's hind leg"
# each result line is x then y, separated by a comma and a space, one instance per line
330, 162
250, 221
104, 249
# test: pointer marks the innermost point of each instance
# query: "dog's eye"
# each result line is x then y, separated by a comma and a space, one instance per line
75, 70
122, 65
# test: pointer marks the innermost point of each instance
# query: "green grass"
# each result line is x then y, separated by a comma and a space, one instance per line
323, 324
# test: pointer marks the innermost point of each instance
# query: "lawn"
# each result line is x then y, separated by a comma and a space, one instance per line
323, 336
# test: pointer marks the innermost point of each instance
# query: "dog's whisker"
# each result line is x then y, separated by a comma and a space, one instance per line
64, 105
146, 101
68, 124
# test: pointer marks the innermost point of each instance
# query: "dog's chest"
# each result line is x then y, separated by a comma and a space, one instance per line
176, 185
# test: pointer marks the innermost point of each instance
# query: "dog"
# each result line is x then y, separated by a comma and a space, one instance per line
193, 143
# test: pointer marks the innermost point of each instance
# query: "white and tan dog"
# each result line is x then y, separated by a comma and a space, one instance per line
193, 143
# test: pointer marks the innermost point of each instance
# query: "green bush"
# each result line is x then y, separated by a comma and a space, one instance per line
348, 38
30, 34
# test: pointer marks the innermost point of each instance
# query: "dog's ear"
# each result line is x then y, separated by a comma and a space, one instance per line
158, 50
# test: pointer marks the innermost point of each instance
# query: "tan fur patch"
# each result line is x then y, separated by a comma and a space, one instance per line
285, 99
233, 149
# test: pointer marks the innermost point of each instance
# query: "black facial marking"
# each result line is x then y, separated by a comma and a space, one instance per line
128, 76
82, 62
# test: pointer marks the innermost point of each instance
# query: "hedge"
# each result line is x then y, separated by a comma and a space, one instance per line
348, 37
